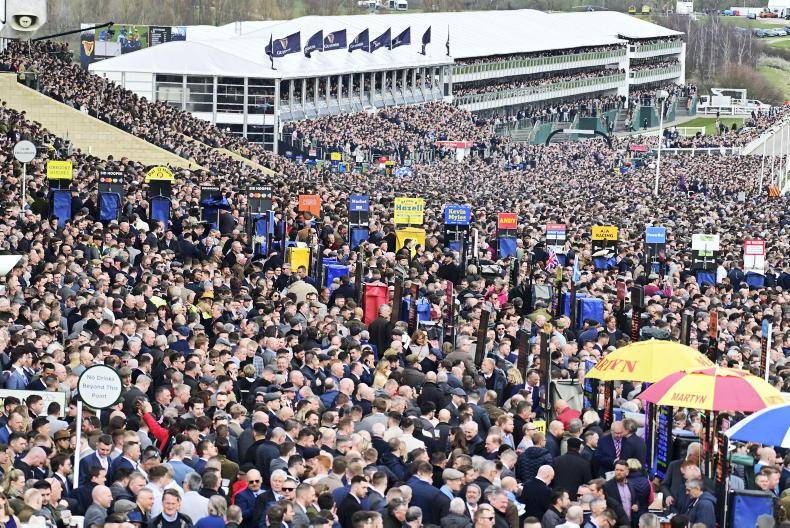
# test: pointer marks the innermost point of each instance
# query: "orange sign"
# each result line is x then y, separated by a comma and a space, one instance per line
507, 221
310, 203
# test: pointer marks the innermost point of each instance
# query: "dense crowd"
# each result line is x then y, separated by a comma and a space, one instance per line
496, 85
254, 395
539, 54
654, 65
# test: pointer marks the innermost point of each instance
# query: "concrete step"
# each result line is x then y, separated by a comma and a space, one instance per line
87, 133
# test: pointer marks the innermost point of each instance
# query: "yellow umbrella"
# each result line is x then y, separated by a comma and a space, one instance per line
647, 361
714, 389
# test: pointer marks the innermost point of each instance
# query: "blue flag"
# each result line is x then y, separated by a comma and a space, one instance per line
284, 46
336, 40
361, 41
315, 43
404, 39
383, 40
426, 39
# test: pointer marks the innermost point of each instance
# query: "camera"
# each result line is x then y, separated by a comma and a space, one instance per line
23, 17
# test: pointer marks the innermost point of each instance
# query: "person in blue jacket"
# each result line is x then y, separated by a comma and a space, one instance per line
702, 505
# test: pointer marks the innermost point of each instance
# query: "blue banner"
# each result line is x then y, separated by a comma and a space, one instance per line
457, 214
656, 235
382, 41
426, 39
335, 40
358, 203
403, 39
361, 41
315, 43
284, 46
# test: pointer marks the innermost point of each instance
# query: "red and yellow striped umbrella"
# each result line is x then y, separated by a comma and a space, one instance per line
714, 389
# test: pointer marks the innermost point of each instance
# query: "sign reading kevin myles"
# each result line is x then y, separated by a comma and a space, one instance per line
100, 387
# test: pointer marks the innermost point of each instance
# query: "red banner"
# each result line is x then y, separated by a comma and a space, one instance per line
507, 221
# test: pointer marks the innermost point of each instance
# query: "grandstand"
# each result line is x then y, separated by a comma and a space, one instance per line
500, 61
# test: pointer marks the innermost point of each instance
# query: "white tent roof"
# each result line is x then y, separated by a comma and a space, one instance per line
471, 34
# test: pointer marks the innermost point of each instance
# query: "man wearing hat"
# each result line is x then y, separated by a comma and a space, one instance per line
453, 482
458, 396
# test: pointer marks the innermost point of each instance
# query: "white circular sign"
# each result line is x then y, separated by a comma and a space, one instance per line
100, 387
24, 151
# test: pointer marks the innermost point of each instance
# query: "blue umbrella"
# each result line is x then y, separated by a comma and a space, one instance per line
769, 426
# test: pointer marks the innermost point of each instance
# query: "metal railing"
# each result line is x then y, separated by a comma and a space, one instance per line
484, 67
655, 72
593, 83
674, 47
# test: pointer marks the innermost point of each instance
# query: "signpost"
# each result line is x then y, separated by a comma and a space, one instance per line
99, 387
754, 255
24, 152
655, 240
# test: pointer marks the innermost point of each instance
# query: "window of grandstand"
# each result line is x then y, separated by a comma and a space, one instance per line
170, 89
230, 95
200, 94
260, 96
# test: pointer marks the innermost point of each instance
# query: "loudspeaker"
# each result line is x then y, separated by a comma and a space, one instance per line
23, 16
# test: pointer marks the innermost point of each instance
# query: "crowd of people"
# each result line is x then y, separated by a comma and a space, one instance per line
496, 85
255, 396
654, 65
540, 54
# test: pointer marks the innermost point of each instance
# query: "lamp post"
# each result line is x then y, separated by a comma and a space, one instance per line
661, 95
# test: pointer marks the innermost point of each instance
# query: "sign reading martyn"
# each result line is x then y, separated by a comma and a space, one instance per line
100, 387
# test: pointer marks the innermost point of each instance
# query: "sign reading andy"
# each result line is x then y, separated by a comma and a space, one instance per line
457, 214
410, 211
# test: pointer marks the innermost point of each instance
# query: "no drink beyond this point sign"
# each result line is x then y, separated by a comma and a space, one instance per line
100, 387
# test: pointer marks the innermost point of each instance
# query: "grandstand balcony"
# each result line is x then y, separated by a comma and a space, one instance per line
658, 49
655, 74
531, 94
526, 66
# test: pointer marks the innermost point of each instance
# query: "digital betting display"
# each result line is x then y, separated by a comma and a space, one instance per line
663, 441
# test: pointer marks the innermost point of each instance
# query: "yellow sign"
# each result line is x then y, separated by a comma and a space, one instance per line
415, 236
159, 173
335, 156
409, 211
604, 233
540, 425
60, 170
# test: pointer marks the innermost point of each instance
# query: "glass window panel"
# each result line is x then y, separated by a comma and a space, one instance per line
230, 95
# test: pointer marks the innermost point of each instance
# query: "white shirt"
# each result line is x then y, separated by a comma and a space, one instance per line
194, 505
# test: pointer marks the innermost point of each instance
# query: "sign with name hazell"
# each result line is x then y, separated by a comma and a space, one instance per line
409, 211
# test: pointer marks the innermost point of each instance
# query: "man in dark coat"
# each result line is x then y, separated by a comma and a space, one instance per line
612, 447
381, 330
433, 503
353, 501
571, 470
432, 393
536, 493
621, 493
